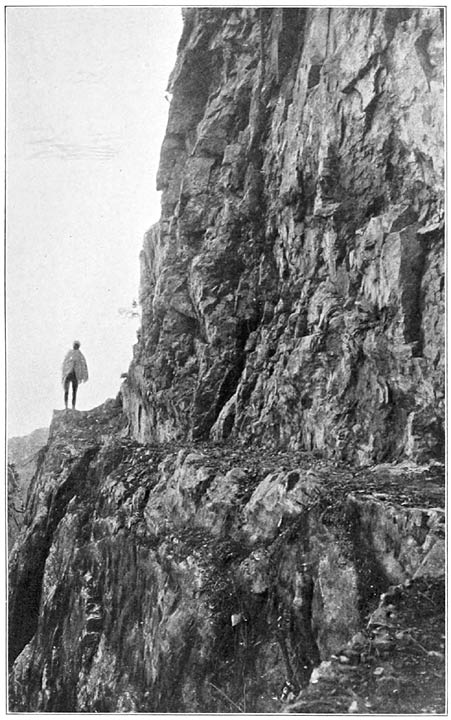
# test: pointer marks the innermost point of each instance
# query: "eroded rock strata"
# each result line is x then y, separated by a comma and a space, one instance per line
293, 291
173, 578
23, 457
256, 523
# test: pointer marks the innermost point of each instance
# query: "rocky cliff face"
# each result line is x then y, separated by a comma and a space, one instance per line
257, 522
293, 292
23, 459
173, 578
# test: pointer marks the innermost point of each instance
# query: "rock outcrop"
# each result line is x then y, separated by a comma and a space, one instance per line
293, 291
156, 578
23, 459
263, 504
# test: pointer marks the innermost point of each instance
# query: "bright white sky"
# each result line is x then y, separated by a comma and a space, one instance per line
86, 114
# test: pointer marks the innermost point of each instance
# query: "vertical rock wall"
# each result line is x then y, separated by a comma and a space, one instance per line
293, 290
23, 459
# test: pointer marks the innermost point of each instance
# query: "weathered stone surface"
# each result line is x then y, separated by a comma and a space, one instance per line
393, 665
173, 578
403, 541
23, 459
294, 290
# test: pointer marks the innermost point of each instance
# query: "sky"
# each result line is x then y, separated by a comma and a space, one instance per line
86, 113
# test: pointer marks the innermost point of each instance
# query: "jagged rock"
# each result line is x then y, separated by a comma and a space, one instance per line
294, 288
23, 459
135, 558
397, 668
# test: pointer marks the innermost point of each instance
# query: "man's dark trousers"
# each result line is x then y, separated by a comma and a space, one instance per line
71, 378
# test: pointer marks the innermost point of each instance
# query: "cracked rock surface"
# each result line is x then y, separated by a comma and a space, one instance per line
293, 290
206, 578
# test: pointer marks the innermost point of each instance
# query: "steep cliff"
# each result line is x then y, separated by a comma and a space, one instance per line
257, 522
23, 458
173, 578
293, 292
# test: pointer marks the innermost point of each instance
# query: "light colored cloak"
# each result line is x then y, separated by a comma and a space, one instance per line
75, 360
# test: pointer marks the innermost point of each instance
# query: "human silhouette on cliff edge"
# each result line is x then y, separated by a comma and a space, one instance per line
75, 370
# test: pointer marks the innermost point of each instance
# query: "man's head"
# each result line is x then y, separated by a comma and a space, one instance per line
76, 344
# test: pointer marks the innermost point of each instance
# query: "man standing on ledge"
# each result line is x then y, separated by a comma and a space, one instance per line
75, 370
